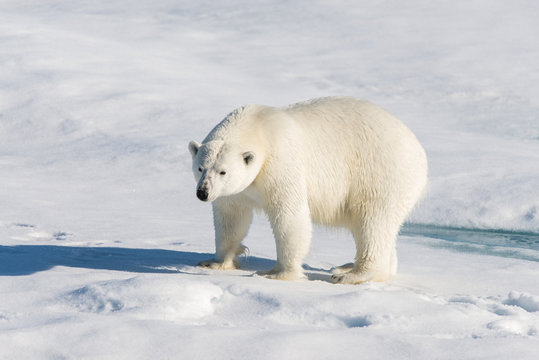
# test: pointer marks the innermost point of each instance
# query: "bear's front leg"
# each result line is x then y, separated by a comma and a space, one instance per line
231, 219
376, 254
291, 223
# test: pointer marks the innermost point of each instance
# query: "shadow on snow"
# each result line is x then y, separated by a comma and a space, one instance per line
28, 259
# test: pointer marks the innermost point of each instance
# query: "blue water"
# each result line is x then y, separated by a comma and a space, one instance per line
520, 245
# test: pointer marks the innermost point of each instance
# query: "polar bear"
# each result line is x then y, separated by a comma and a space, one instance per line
337, 161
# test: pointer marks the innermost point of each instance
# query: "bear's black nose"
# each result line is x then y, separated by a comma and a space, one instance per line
202, 194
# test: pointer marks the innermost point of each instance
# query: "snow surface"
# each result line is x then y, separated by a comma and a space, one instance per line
100, 230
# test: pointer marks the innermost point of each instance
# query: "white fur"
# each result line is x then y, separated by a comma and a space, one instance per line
340, 162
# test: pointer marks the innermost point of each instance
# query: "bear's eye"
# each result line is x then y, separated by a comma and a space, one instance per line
222, 173
199, 169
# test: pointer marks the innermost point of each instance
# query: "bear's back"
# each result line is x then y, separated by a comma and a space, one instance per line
355, 151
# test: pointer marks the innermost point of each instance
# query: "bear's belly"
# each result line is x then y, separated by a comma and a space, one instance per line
329, 213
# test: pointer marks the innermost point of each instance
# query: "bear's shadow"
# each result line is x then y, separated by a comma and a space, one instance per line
21, 260
261, 265
29, 259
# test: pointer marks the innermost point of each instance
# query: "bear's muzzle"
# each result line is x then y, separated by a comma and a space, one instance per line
202, 194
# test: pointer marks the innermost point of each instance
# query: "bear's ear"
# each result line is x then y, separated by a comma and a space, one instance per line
248, 157
193, 148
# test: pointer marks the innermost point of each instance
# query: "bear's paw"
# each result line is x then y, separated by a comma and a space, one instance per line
353, 277
283, 275
218, 265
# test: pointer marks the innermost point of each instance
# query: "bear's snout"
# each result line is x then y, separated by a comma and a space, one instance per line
202, 194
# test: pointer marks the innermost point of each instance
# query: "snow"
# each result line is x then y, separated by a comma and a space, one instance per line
100, 229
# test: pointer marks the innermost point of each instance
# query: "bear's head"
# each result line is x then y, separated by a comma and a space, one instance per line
222, 169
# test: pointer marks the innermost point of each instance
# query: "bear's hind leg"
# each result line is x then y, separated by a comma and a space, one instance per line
231, 220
